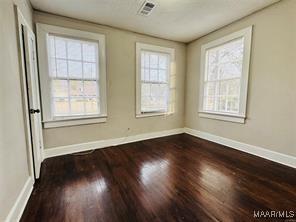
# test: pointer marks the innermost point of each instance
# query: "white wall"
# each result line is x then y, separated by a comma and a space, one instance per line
14, 170
271, 107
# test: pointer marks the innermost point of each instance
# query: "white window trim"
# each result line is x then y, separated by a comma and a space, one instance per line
241, 116
43, 30
157, 49
74, 122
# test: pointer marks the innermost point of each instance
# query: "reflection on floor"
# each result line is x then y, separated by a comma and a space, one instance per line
176, 178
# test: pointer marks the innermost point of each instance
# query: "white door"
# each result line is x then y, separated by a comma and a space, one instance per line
34, 99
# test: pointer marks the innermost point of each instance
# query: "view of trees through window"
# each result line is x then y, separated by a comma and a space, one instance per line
223, 71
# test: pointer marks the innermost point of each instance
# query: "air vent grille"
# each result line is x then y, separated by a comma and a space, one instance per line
147, 8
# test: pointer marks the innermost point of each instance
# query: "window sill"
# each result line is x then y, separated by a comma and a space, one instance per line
143, 115
223, 117
73, 122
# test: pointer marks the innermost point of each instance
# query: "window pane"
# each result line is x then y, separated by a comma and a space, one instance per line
60, 48
234, 87
91, 106
142, 73
233, 104
142, 59
162, 75
145, 89
52, 67
74, 50
77, 106
151, 104
230, 70
224, 85
76, 88
145, 74
153, 75
153, 61
61, 106
212, 66
222, 103
154, 98
231, 51
213, 56
60, 88
209, 103
158, 90
62, 70
212, 73
163, 62
210, 89
90, 71
52, 46
230, 87
75, 69
89, 52
90, 88
146, 60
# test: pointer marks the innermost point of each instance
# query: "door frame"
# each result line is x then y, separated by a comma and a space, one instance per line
20, 23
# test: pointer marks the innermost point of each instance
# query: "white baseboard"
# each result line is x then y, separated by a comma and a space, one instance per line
255, 150
62, 150
21, 202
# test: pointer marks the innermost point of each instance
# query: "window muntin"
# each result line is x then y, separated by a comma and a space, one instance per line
222, 77
155, 71
77, 73
74, 76
154, 81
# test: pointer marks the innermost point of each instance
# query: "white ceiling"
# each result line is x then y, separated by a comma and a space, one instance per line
179, 20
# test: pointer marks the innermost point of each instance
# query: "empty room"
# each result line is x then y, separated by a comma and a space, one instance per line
147, 110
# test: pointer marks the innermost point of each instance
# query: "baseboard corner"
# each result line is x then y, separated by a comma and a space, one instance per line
251, 149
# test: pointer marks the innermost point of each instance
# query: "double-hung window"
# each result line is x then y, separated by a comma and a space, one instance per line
224, 77
153, 79
73, 76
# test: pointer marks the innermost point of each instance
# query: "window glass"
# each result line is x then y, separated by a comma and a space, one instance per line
154, 81
73, 69
223, 75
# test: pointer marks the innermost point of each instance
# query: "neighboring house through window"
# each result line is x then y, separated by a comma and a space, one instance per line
73, 76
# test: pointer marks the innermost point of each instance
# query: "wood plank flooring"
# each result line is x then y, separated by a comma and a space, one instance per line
175, 178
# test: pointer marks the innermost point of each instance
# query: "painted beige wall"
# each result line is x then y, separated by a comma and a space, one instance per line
271, 108
121, 77
14, 170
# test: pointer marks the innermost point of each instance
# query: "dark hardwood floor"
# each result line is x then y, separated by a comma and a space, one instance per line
175, 178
